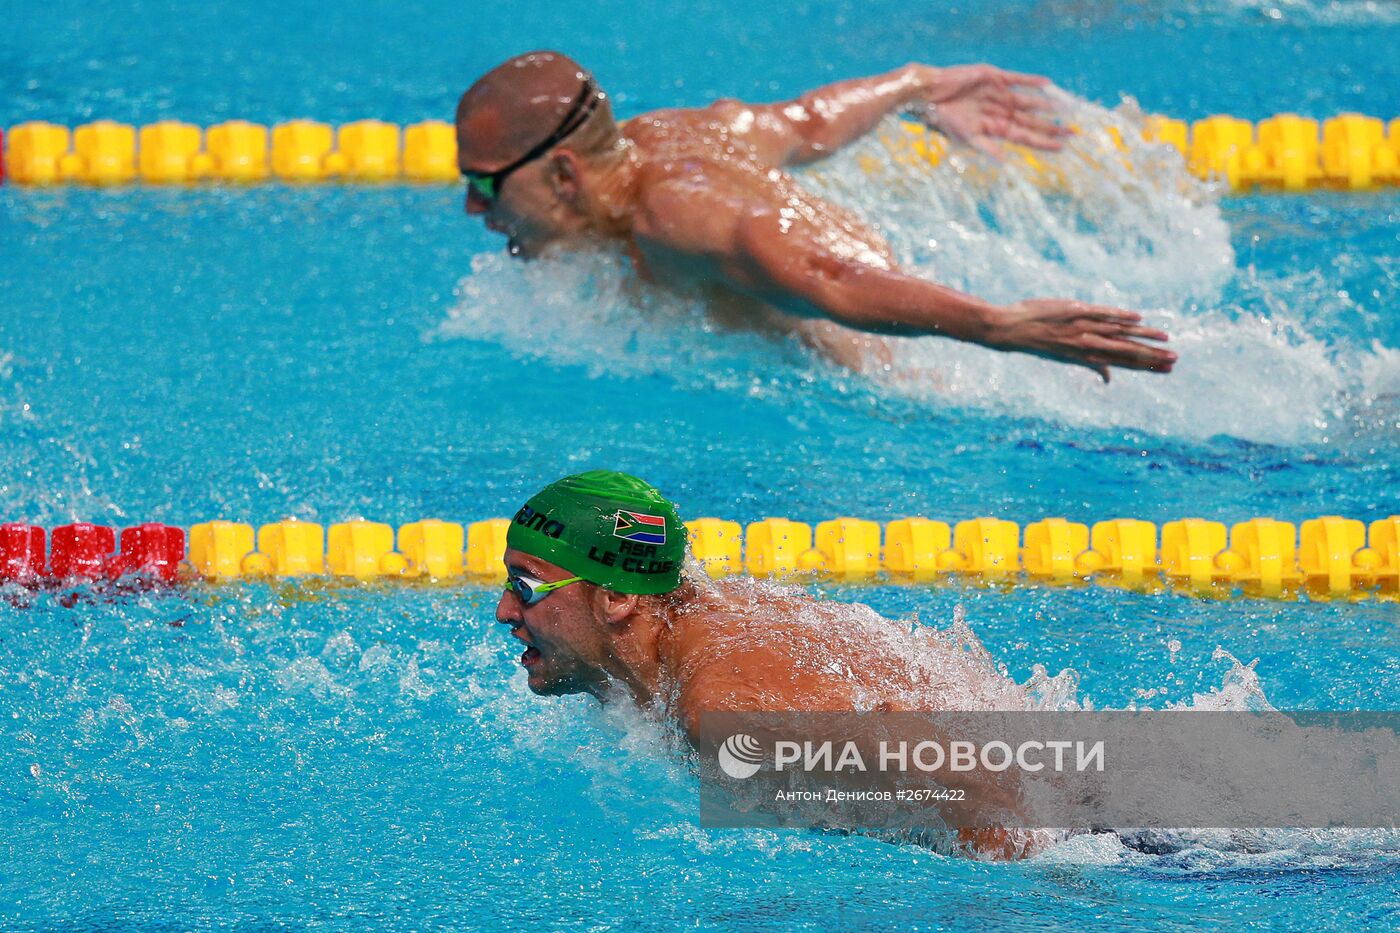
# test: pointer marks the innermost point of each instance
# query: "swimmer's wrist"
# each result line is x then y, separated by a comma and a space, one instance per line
923, 77
921, 87
995, 322
964, 317
923, 81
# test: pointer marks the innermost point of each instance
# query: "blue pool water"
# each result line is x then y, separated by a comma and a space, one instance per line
312, 757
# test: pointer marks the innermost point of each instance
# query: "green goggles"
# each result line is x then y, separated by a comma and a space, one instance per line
485, 185
530, 590
488, 184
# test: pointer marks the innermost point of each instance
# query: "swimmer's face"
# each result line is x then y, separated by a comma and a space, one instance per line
520, 129
534, 207
566, 641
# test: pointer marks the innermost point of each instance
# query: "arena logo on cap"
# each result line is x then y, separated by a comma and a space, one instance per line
638, 526
539, 521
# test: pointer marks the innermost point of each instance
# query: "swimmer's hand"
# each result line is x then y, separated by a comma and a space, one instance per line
1088, 335
981, 105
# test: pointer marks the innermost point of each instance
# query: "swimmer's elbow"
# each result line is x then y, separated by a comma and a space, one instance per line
845, 296
846, 306
811, 123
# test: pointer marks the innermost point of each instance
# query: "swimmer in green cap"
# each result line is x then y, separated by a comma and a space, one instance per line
597, 591
588, 559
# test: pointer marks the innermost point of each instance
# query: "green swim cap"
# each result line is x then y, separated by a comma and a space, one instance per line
610, 528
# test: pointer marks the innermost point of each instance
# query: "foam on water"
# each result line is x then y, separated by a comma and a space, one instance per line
587, 309
1129, 228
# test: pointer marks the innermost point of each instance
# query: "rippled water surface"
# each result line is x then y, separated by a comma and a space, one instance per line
319, 757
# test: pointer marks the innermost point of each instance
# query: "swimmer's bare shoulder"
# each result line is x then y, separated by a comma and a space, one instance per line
747, 651
682, 207
723, 670
689, 222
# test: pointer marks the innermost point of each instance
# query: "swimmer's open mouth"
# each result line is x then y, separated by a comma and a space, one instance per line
531, 654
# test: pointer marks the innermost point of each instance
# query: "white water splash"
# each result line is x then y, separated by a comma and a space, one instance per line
1137, 232
588, 309
1095, 221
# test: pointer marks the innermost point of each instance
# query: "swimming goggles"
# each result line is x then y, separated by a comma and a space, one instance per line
530, 589
488, 184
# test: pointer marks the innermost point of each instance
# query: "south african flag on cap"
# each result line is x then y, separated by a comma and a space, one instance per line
638, 526
611, 528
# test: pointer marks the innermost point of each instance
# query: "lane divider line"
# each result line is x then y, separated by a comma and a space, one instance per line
1286, 152
1329, 556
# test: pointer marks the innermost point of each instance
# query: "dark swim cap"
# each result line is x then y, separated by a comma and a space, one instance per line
610, 528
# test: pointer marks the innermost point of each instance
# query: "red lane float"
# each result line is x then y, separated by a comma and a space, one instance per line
81, 551
84, 552
21, 553
152, 550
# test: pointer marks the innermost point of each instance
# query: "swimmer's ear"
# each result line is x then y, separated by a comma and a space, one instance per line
614, 606
565, 171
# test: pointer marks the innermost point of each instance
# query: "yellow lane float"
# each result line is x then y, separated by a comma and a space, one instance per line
1286, 152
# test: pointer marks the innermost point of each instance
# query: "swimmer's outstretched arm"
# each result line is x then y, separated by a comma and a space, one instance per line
774, 257
978, 104
787, 269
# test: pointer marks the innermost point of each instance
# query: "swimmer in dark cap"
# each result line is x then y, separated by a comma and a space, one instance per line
595, 591
702, 196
